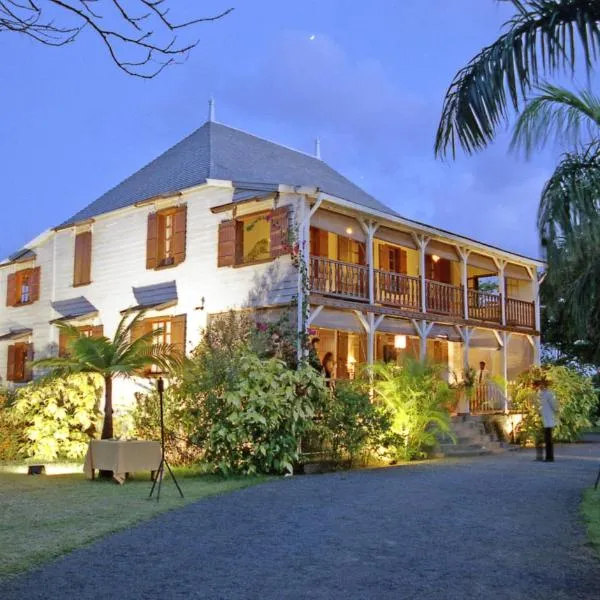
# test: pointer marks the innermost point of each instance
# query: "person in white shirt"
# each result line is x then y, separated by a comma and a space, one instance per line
549, 411
482, 375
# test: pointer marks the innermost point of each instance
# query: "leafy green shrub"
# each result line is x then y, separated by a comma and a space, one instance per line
574, 392
10, 431
179, 445
264, 414
349, 427
58, 417
417, 397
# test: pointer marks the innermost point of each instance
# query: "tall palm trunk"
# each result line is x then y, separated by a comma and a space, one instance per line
107, 427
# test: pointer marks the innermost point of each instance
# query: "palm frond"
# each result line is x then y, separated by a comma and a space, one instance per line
557, 113
544, 37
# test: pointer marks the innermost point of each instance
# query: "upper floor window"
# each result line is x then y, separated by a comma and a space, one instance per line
82, 263
18, 367
166, 240
23, 287
253, 238
392, 258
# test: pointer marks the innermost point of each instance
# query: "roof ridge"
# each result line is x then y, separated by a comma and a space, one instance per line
264, 139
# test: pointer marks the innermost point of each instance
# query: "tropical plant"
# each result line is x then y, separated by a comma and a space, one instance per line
544, 38
58, 417
576, 398
264, 411
349, 427
10, 431
124, 356
417, 397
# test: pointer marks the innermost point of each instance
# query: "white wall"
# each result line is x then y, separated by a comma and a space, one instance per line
119, 264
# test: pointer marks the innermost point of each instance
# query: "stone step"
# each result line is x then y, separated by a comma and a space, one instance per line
464, 451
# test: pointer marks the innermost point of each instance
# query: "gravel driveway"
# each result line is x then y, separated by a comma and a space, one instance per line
489, 527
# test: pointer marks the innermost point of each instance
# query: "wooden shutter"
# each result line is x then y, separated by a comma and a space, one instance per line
443, 270
226, 245
429, 269
239, 242
384, 257
63, 343
35, 284
140, 328
342, 355
152, 242
403, 261
179, 234
178, 331
98, 331
279, 231
343, 249
27, 360
82, 267
361, 253
10, 366
11, 289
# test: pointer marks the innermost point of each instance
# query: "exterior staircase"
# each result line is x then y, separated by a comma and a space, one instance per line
472, 438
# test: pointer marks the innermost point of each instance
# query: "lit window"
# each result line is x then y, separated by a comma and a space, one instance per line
256, 233
25, 289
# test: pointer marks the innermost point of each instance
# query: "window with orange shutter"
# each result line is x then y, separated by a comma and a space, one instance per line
20, 356
23, 287
82, 262
166, 238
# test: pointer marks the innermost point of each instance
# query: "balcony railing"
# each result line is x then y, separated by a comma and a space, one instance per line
397, 289
520, 313
485, 306
337, 278
346, 280
444, 299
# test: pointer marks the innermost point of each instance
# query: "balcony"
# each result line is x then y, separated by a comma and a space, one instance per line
351, 282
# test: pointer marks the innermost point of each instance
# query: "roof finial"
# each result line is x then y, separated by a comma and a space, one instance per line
211, 109
318, 148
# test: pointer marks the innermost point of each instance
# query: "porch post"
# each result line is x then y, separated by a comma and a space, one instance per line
464, 256
370, 227
302, 220
501, 265
370, 325
505, 339
421, 241
536, 298
535, 342
423, 328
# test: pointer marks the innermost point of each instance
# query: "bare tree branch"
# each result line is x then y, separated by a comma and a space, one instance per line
140, 36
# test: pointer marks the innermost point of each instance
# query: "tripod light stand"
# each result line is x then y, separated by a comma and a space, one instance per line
160, 386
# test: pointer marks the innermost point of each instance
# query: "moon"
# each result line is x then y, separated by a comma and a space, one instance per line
312, 37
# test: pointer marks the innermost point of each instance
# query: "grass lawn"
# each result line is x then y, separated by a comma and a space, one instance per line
42, 517
591, 514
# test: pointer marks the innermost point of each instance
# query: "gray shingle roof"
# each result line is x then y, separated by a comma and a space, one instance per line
15, 334
74, 307
155, 295
21, 255
220, 152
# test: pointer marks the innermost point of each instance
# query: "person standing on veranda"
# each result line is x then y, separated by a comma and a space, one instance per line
549, 411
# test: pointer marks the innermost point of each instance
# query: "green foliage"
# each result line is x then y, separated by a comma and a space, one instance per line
179, 436
265, 410
574, 392
417, 397
349, 427
58, 417
10, 431
543, 37
122, 357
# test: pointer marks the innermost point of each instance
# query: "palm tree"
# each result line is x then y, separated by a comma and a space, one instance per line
543, 38
124, 356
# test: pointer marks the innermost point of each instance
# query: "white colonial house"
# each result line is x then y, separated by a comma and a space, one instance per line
204, 228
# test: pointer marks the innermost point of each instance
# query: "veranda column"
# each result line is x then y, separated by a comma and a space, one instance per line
464, 257
421, 241
301, 221
505, 339
501, 265
423, 328
370, 228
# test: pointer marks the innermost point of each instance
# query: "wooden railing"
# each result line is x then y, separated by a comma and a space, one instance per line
337, 278
484, 398
520, 313
443, 298
347, 280
485, 306
398, 290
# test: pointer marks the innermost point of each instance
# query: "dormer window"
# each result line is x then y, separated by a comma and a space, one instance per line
165, 244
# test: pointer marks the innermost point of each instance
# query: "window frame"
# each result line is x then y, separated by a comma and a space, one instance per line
241, 221
19, 277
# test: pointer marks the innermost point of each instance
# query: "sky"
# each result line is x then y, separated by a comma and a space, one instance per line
367, 78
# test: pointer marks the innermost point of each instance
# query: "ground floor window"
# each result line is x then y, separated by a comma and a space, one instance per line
347, 349
18, 368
